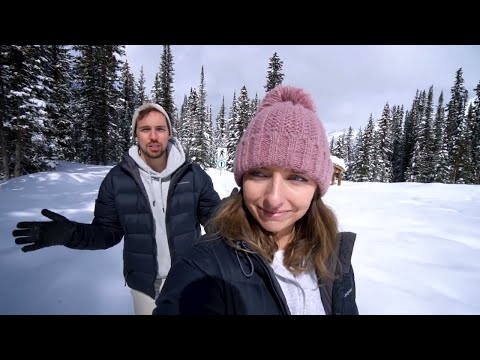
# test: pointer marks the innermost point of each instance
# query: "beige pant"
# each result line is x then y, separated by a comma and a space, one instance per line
144, 304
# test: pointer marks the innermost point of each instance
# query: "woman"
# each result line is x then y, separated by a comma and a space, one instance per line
276, 247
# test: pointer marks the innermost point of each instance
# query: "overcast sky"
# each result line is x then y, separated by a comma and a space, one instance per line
347, 82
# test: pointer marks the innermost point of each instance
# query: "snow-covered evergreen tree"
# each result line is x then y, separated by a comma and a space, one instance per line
411, 125
221, 126
384, 145
191, 127
235, 129
398, 144
127, 98
140, 90
97, 69
27, 101
456, 125
440, 159
274, 73
366, 154
476, 136
204, 131
162, 90
60, 120
6, 133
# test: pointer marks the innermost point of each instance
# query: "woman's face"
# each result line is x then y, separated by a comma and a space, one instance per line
277, 197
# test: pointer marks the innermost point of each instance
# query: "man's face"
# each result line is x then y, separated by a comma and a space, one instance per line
152, 135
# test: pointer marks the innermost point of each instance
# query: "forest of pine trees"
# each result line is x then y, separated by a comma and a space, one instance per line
427, 143
75, 103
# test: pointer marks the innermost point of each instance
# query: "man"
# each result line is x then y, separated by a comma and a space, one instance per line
154, 198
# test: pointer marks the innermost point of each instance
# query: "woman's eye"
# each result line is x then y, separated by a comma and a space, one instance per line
298, 178
257, 173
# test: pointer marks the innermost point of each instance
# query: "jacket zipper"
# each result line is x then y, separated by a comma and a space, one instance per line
273, 284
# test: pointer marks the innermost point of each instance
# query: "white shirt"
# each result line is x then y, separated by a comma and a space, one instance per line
301, 291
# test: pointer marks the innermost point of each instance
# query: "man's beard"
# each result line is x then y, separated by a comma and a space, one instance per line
153, 155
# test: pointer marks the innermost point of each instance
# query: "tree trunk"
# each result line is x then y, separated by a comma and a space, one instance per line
18, 157
3, 133
4, 153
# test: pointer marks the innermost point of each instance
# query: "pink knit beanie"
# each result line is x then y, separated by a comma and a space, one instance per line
286, 132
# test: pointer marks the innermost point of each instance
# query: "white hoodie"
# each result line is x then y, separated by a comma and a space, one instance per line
301, 291
157, 185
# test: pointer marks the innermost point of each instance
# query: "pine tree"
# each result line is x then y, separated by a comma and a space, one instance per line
411, 133
366, 170
348, 143
168, 97
468, 165
254, 106
203, 135
140, 89
421, 167
332, 145
339, 149
156, 92
27, 99
60, 122
211, 141
126, 109
476, 137
192, 127
428, 167
162, 90
274, 73
244, 110
97, 68
385, 146
84, 92
6, 134
357, 155
456, 119
440, 159
221, 126
234, 132
180, 120
398, 145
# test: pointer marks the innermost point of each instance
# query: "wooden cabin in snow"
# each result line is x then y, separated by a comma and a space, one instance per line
339, 169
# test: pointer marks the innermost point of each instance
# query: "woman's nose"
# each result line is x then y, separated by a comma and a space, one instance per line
274, 196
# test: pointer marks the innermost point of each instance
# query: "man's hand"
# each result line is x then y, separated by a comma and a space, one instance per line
40, 234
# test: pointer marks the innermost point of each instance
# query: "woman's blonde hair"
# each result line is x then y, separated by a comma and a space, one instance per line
315, 234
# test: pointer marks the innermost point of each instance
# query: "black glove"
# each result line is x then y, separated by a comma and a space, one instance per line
40, 234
